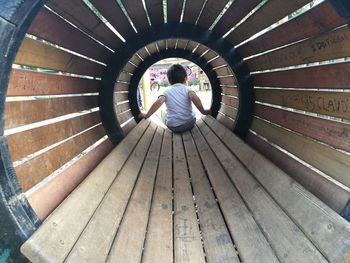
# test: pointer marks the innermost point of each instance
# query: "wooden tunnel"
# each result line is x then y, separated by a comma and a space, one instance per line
280, 77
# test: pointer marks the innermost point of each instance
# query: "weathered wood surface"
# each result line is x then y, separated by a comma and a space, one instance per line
227, 81
32, 83
125, 116
336, 104
135, 60
19, 113
121, 96
36, 54
137, 14
182, 44
315, 21
155, 11
227, 122
161, 44
232, 91
223, 71
228, 111
210, 55
200, 50
192, 11
174, 9
129, 67
127, 127
171, 43
142, 53
230, 101
333, 76
34, 170
191, 45
124, 77
53, 29
152, 48
122, 107
119, 86
210, 12
218, 62
54, 240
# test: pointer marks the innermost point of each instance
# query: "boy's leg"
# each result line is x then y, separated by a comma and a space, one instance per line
184, 127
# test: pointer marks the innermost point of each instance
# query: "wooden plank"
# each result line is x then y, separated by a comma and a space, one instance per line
217, 241
129, 126
174, 10
285, 238
155, 11
317, 20
187, 238
125, 116
111, 10
232, 91
333, 133
124, 77
228, 111
217, 62
121, 96
336, 104
161, 44
271, 12
238, 10
200, 50
182, 43
121, 87
327, 230
32, 83
191, 45
137, 14
80, 15
210, 55
135, 60
171, 43
152, 48
47, 198
36, 54
143, 53
230, 101
327, 191
35, 170
227, 122
159, 238
227, 81
332, 162
245, 232
331, 45
36, 139
224, 71
333, 76
18, 113
192, 11
129, 67
210, 12
122, 107
52, 242
126, 247
52, 28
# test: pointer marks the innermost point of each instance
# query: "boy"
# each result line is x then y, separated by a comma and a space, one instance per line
178, 98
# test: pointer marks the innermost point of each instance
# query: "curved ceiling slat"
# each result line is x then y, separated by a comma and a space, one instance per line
137, 14
192, 10
161, 44
182, 44
210, 12
174, 9
155, 11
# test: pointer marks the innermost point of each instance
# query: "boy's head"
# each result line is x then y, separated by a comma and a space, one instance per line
176, 74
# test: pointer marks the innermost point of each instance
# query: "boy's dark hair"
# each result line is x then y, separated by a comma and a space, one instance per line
176, 74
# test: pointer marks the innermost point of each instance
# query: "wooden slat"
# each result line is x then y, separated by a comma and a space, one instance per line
210, 12
152, 48
271, 12
34, 53
122, 107
171, 43
228, 111
127, 247
159, 239
121, 87
129, 67
47, 198
119, 97
55, 244
33, 171
161, 44
52, 28
36, 139
155, 11
250, 241
233, 91
124, 77
182, 43
336, 104
230, 101
210, 55
31, 83
191, 45
334, 133
129, 126
327, 230
227, 81
192, 11
136, 60
224, 71
225, 121
315, 21
331, 45
143, 53
331, 76
174, 9
125, 116
238, 10
332, 162
187, 239
18, 113
113, 13
285, 238
137, 14
218, 244
200, 50
81, 16
327, 191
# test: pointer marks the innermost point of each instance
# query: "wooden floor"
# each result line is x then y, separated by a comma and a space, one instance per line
200, 196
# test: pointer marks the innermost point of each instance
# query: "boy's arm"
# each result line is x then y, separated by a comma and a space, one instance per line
155, 106
198, 103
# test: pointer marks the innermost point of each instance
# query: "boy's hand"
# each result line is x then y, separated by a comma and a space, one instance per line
142, 115
207, 112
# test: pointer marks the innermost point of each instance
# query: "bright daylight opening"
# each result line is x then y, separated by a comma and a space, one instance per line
154, 82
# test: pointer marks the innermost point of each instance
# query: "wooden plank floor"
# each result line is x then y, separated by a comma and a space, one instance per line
164, 197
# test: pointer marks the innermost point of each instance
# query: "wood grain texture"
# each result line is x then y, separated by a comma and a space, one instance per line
315, 21
155, 11
127, 127
124, 77
200, 50
331, 76
192, 11
47, 198
53, 245
227, 122
142, 53
121, 87
174, 9
152, 48
122, 107
171, 43
330, 45
182, 43
218, 62
33, 171
137, 14
271, 12
31, 83
227, 81
120, 97
161, 44
334, 133
232, 91
327, 230
210, 55
129, 67
210, 12
18, 113
327, 191
336, 104
159, 238
53, 29
191, 45
223, 71
230, 101
36, 54
24, 143
228, 111
81, 16
124, 117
